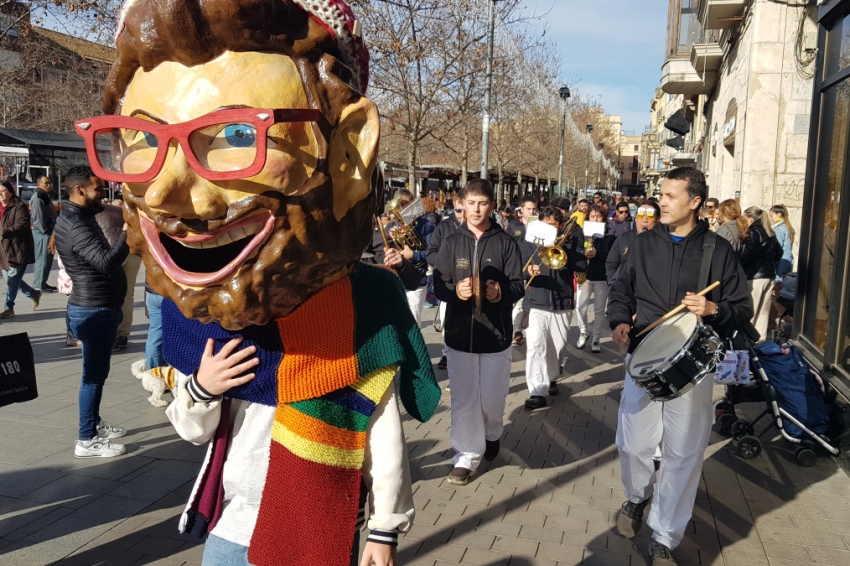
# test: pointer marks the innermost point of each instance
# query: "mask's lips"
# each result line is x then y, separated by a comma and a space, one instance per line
191, 279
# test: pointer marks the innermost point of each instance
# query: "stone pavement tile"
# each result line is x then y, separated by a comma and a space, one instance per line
808, 538
14, 451
156, 546
516, 546
485, 513
525, 518
541, 534
56, 541
605, 558
584, 512
445, 507
36, 523
110, 508
560, 553
16, 481
835, 513
107, 469
437, 551
822, 525
433, 534
71, 490
831, 556
425, 517
149, 488
473, 497
103, 557
485, 557
507, 530
475, 539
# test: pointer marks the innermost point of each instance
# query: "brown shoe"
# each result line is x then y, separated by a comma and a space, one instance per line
459, 476
630, 518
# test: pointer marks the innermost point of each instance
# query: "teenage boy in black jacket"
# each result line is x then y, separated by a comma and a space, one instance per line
478, 274
660, 272
550, 301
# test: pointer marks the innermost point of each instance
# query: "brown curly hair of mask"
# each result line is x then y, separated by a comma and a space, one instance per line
193, 32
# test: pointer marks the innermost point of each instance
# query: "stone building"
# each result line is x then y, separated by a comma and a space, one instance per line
744, 71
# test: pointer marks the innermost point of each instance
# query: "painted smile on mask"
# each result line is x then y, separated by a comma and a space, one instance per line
202, 259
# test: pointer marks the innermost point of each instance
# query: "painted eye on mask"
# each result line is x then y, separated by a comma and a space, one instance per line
240, 135
151, 140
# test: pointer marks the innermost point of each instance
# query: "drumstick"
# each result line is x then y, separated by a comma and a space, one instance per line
678, 309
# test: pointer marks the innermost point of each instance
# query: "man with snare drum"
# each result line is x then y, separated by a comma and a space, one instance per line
662, 271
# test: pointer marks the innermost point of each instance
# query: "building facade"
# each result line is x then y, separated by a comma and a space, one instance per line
744, 69
822, 316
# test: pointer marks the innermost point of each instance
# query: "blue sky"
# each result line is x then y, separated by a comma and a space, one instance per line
615, 48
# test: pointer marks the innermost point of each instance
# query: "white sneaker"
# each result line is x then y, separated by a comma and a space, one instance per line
582, 340
97, 448
109, 432
594, 346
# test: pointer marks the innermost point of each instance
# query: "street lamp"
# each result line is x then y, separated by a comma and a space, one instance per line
599, 167
588, 128
607, 174
564, 93
485, 133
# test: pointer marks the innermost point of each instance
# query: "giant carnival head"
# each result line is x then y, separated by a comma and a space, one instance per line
246, 149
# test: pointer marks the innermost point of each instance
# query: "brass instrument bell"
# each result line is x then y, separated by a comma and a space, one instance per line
405, 235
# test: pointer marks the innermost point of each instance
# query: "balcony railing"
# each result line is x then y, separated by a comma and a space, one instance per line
721, 14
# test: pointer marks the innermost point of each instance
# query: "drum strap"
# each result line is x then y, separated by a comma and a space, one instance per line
707, 252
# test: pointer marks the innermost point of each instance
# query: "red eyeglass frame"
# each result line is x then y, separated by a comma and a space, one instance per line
261, 118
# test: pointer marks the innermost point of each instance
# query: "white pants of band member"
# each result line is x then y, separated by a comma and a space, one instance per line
416, 299
682, 428
443, 322
546, 343
592, 293
480, 384
516, 316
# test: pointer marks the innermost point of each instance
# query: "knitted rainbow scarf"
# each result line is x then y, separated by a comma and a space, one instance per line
325, 367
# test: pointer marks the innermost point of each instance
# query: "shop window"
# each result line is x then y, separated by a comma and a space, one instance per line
838, 47
831, 176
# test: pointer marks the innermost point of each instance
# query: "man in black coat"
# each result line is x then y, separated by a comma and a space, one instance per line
479, 274
526, 213
661, 271
94, 308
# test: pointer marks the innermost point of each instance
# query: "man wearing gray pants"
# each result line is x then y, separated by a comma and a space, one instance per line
43, 219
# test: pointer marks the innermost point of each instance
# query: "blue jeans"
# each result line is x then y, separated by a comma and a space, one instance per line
96, 328
43, 259
14, 277
220, 552
153, 346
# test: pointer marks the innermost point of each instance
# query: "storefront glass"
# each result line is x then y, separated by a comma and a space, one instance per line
831, 174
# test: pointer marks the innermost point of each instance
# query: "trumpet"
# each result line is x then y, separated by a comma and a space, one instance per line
405, 235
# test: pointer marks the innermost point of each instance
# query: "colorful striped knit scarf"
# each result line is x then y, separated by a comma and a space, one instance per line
325, 367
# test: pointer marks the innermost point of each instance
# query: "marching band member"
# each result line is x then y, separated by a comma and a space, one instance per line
479, 275
660, 272
516, 228
549, 300
443, 230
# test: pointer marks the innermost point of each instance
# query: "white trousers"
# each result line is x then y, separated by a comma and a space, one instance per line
761, 290
546, 342
595, 293
443, 323
516, 317
682, 428
416, 299
479, 384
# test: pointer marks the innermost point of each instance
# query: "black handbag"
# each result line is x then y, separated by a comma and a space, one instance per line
17, 370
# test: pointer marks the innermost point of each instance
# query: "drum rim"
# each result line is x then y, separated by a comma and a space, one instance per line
679, 355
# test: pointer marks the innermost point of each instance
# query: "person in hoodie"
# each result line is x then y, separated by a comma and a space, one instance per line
661, 272
622, 220
646, 217
550, 302
478, 274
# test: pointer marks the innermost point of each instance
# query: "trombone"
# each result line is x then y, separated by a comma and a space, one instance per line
554, 257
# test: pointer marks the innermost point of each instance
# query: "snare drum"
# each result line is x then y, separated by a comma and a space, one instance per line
675, 357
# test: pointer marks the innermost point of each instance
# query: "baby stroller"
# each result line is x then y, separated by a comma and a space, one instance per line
796, 404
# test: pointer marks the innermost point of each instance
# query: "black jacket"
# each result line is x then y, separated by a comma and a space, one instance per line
596, 265
374, 255
498, 260
444, 229
760, 253
658, 272
93, 266
515, 229
553, 290
617, 255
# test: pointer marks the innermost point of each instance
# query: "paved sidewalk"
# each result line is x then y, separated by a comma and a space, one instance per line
549, 498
